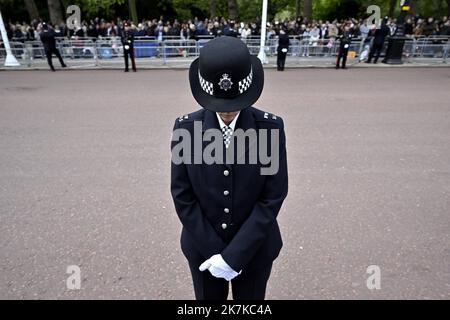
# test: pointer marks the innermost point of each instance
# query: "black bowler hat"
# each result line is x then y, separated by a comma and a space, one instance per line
225, 77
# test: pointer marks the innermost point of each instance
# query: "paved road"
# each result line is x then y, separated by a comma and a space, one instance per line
84, 160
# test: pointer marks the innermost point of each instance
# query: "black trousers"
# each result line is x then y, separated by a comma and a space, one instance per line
375, 51
49, 53
130, 53
281, 59
343, 52
250, 285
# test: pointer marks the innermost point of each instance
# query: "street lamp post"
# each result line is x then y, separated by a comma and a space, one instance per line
262, 53
10, 60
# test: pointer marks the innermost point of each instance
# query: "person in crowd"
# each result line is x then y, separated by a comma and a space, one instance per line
230, 31
409, 27
379, 36
246, 31
305, 42
429, 27
364, 30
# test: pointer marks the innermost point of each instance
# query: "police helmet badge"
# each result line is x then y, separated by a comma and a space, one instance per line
225, 82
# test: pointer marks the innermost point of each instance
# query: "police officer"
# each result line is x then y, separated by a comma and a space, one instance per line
128, 46
345, 40
228, 210
48, 40
283, 47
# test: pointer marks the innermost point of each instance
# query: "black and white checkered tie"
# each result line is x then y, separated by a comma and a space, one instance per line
227, 133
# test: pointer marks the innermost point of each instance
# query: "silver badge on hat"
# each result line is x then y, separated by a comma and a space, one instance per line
225, 82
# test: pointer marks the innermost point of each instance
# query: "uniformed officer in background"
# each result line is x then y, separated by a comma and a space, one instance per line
228, 211
283, 48
128, 45
344, 45
48, 40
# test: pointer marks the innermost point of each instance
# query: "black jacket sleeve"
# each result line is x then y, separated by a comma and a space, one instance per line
255, 229
189, 212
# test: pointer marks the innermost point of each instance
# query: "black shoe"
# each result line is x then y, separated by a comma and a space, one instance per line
126, 71
345, 68
52, 70
64, 66
134, 70
368, 61
337, 67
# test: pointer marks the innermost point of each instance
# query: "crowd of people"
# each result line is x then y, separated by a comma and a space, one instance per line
372, 36
195, 28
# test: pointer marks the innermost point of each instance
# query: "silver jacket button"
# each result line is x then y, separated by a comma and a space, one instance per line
226, 210
226, 173
224, 226
226, 192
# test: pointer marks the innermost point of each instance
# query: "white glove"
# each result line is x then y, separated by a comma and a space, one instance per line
219, 268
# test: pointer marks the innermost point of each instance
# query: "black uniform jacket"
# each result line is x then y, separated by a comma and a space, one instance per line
381, 34
283, 42
127, 38
48, 40
230, 209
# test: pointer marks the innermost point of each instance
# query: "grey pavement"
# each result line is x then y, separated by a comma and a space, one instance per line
84, 171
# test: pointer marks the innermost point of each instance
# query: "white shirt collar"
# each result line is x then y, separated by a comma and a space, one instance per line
231, 125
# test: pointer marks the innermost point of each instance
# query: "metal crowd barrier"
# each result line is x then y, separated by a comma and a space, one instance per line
104, 51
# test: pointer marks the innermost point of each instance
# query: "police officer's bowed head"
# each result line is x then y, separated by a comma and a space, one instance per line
228, 210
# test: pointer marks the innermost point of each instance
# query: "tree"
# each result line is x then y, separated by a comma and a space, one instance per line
307, 9
213, 8
232, 9
392, 5
133, 10
55, 11
32, 9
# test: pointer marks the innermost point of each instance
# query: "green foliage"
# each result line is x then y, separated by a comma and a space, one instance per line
92, 8
187, 9
431, 8
12, 12
248, 10
330, 9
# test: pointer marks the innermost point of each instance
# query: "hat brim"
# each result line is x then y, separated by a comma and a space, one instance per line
237, 103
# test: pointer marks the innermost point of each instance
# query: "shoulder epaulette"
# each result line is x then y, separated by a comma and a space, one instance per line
268, 117
190, 117
184, 117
